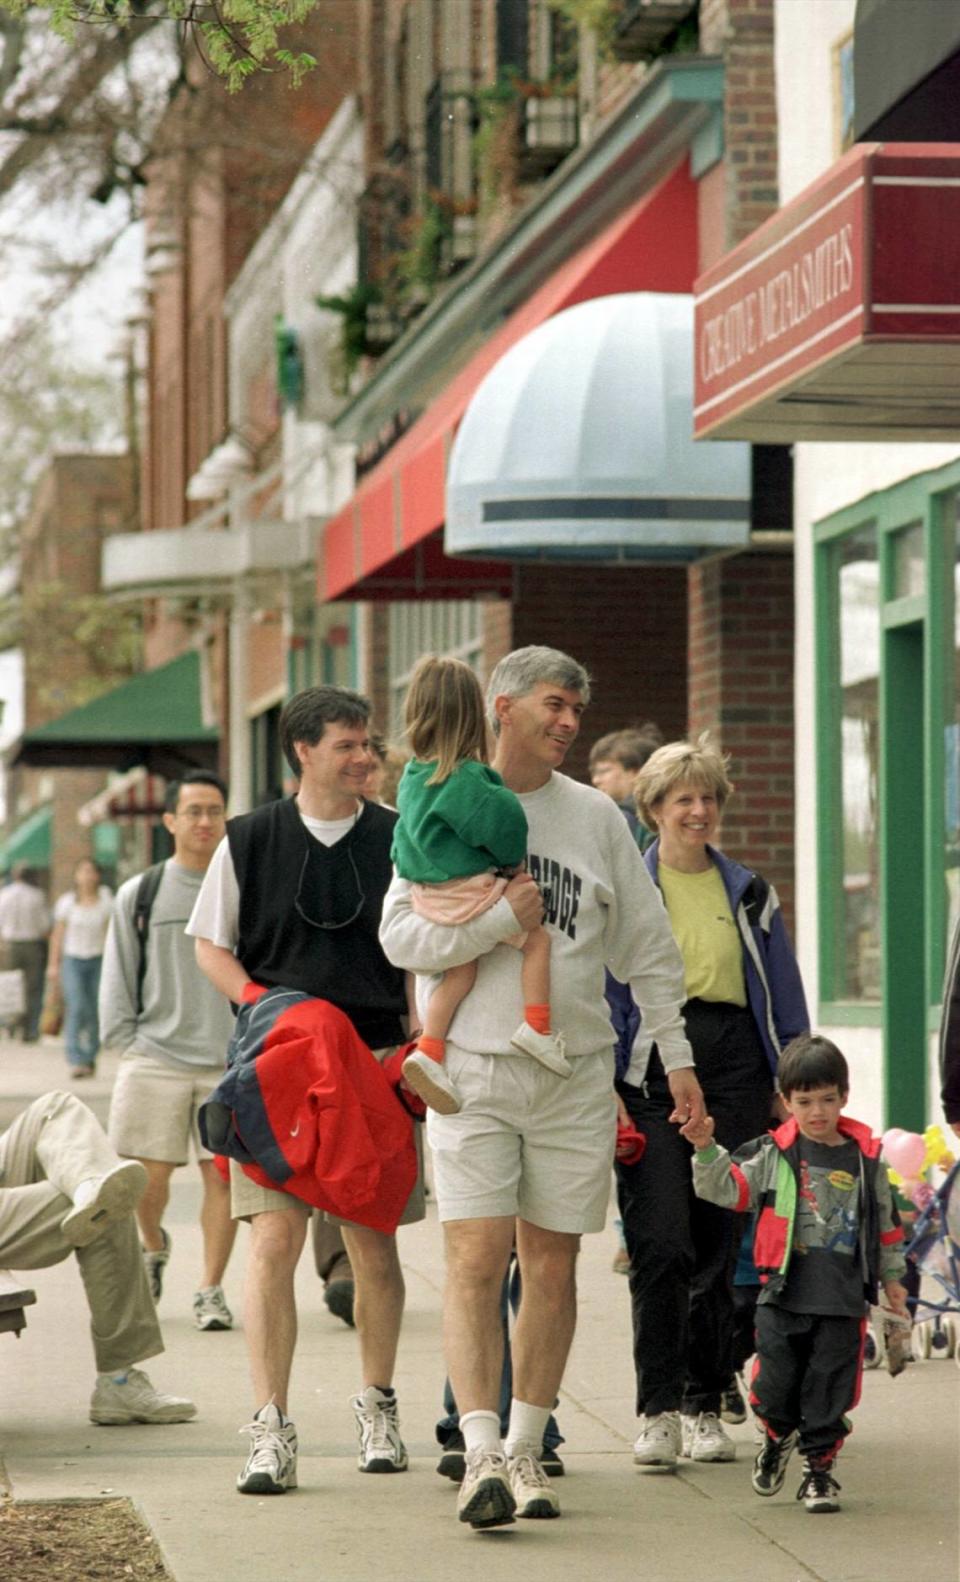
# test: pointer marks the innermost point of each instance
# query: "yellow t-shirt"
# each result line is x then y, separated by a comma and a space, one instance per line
704, 928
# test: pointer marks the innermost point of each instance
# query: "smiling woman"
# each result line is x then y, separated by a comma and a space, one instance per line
744, 1002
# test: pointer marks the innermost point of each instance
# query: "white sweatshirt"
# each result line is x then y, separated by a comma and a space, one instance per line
602, 910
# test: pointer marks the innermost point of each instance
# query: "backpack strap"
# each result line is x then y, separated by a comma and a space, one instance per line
143, 906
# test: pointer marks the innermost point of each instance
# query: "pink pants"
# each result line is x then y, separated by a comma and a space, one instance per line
460, 901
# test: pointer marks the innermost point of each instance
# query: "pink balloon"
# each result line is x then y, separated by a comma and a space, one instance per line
889, 1135
905, 1152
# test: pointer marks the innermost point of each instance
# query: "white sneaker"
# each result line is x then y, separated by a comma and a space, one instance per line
430, 1082
103, 1200
548, 1048
486, 1497
272, 1463
210, 1310
531, 1487
658, 1445
705, 1438
134, 1400
381, 1448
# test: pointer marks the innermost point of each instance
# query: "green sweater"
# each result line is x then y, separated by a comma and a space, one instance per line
466, 825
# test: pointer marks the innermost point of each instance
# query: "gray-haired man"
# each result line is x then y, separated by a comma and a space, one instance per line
530, 1153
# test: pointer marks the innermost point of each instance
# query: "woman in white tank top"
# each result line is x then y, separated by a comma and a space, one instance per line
81, 918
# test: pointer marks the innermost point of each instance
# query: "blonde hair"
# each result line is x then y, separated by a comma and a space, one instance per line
699, 764
443, 715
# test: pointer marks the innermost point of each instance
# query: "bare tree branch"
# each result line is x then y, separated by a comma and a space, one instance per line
95, 59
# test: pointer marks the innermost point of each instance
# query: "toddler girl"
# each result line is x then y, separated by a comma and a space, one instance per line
461, 835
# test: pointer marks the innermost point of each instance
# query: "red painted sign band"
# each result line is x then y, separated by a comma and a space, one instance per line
866, 256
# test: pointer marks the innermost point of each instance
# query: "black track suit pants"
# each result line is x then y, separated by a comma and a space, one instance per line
807, 1375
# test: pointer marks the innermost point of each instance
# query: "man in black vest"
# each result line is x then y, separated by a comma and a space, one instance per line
293, 897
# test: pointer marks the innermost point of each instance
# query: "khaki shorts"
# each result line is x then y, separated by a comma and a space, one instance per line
154, 1107
249, 1197
526, 1142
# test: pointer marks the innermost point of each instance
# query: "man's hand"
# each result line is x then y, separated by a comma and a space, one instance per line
524, 896
955, 1127
698, 1132
687, 1096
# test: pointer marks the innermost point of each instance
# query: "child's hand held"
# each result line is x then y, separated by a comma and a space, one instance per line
698, 1131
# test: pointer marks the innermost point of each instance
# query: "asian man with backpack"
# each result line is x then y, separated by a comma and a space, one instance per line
172, 1028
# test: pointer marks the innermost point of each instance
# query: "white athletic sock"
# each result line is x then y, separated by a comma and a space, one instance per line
481, 1431
525, 1433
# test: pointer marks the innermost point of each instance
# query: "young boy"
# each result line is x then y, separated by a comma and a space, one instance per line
826, 1233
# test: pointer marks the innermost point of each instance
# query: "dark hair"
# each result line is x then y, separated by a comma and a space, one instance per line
193, 777
630, 748
812, 1061
308, 713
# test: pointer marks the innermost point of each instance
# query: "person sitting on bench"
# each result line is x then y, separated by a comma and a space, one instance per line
64, 1190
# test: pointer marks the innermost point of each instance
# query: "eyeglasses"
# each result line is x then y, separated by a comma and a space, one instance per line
193, 815
316, 922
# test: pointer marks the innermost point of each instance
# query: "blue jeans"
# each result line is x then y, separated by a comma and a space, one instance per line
450, 1424
80, 978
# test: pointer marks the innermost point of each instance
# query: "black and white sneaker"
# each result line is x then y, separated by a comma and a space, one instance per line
272, 1463
819, 1489
770, 1467
378, 1427
210, 1310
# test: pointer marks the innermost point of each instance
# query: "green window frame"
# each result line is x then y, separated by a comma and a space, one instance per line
913, 527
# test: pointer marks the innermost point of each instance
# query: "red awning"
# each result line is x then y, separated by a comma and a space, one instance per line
386, 543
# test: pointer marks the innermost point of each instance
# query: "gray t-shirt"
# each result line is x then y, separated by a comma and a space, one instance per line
825, 1275
185, 1021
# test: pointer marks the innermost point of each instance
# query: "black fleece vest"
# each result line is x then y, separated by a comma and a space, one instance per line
278, 864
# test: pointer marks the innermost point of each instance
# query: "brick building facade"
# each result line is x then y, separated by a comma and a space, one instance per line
707, 646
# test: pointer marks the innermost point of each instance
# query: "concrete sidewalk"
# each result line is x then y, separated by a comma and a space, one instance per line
900, 1472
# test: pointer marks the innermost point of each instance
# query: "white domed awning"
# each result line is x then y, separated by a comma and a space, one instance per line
578, 445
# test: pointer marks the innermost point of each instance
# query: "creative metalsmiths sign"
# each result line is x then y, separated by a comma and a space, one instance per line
840, 317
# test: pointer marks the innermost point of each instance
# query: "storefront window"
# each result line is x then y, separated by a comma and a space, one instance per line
858, 971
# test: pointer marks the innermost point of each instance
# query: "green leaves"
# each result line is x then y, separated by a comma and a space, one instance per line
236, 37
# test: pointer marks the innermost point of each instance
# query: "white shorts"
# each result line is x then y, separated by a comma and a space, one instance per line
526, 1142
154, 1107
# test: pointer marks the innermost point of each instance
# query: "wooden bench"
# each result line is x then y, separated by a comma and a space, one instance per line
14, 1297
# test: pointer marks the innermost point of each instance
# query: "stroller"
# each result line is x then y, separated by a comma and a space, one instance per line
934, 1249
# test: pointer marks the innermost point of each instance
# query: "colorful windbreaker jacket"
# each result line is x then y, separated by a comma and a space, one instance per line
305, 1107
764, 1176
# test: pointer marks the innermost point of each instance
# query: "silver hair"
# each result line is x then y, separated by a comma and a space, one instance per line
518, 673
